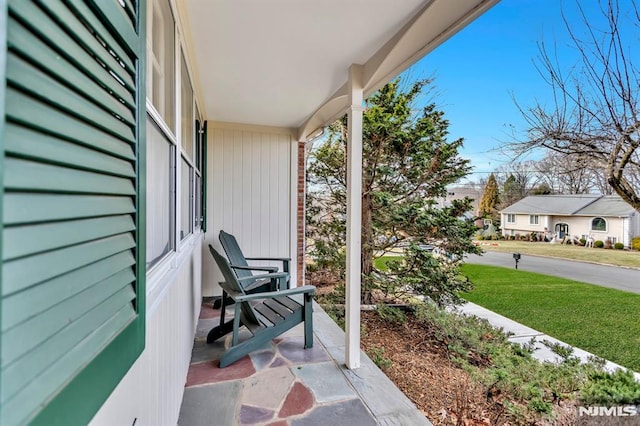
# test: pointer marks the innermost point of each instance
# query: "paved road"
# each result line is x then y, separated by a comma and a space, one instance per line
607, 276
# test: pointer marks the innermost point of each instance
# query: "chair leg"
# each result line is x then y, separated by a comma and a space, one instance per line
223, 306
220, 330
308, 321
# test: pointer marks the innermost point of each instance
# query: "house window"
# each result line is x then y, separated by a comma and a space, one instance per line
599, 224
534, 219
161, 60
487, 222
511, 218
612, 240
187, 117
160, 193
187, 139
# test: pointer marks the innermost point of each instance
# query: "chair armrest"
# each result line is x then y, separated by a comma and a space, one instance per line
264, 276
305, 289
277, 259
285, 261
280, 277
256, 268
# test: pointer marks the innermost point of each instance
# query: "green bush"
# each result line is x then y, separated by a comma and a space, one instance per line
583, 241
618, 246
391, 314
377, 356
615, 388
480, 237
598, 244
509, 369
635, 243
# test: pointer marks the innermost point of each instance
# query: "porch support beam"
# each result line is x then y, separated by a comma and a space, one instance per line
354, 216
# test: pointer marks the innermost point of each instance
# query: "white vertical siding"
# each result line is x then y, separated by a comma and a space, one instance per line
152, 390
250, 194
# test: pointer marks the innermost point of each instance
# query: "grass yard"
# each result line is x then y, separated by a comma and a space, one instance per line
608, 256
603, 321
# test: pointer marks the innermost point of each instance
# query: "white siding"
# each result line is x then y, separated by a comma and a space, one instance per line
151, 392
250, 194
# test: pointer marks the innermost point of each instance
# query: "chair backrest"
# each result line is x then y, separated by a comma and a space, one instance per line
234, 253
232, 286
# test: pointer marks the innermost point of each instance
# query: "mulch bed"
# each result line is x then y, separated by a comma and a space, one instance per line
421, 368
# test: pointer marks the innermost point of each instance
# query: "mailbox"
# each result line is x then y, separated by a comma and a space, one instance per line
516, 257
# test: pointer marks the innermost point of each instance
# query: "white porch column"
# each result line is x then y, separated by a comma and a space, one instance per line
354, 217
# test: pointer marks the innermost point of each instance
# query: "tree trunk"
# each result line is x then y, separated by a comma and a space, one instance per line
366, 259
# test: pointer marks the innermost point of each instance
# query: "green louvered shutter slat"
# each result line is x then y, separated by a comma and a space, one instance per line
72, 284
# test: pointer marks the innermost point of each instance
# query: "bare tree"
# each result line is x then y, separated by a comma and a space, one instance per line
569, 174
595, 114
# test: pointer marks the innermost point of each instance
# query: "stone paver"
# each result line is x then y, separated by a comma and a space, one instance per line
263, 359
284, 384
202, 404
267, 388
326, 382
254, 415
210, 372
290, 350
298, 401
351, 413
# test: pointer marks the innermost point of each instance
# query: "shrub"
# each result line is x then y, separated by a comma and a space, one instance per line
512, 237
598, 244
583, 241
635, 243
480, 237
618, 246
391, 314
608, 244
377, 356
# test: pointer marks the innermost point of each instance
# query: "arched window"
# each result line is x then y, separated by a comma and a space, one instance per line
598, 224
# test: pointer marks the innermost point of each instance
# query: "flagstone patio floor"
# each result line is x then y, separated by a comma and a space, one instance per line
284, 384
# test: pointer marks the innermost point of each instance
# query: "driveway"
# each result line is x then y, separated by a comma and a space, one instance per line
607, 276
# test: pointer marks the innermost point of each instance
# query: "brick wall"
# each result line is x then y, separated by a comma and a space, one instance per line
300, 212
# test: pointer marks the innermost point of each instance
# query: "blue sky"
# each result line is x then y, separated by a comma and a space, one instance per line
480, 70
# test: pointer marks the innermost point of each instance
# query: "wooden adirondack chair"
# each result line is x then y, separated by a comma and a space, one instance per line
239, 262
266, 315
251, 283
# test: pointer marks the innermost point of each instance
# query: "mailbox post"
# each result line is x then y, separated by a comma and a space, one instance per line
516, 257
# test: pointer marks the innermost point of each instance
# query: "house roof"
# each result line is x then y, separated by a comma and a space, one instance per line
551, 204
285, 63
571, 205
610, 205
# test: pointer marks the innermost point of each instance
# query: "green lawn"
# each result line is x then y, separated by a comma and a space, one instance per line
609, 256
603, 321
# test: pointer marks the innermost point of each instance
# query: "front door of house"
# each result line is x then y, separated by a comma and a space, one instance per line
562, 229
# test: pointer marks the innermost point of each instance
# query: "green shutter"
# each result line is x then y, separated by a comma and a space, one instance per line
72, 274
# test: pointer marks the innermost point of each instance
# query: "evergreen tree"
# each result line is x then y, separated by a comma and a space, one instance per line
407, 164
490, 198
511, 191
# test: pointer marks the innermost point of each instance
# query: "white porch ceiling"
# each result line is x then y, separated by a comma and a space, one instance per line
285, 63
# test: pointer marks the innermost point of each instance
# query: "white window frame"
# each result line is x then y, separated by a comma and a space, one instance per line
534, 219
606, 225
174, 136
511, 218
